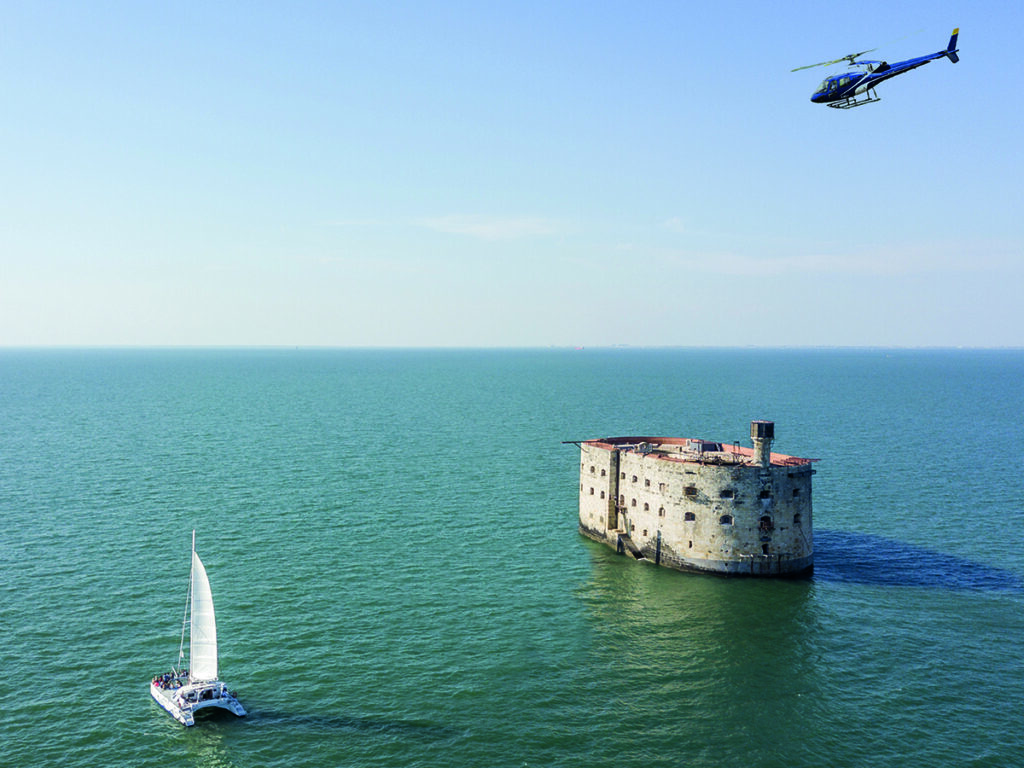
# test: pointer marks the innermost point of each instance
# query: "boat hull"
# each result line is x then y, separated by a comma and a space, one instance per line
183, 702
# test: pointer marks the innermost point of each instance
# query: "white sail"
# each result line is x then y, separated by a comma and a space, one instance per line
203, 634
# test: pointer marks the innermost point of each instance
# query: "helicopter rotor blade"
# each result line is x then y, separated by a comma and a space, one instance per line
849, 57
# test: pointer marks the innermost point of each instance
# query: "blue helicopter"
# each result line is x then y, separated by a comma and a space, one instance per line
854, 89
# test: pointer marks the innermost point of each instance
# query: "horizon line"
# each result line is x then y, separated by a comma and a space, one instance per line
509, 347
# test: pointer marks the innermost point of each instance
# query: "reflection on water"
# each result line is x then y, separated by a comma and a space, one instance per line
864, 558
695, 661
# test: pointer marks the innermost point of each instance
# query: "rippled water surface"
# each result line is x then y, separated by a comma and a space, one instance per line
391, 540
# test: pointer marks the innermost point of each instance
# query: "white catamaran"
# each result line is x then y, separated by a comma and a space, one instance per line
183, 691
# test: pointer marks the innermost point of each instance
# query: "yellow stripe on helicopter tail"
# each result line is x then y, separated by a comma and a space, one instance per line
951, 49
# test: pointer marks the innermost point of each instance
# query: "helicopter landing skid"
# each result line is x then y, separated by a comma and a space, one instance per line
868, 97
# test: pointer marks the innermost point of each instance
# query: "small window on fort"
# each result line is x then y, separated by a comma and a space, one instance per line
591, 491
647, 483
592, 469
633, 504
690, 490
689, 516
797, 520
661, 512
691, 545
622, 499
728, 493
661, 487
602, 494
725, 519
645, 533
634, 478
603, 473
796, 492
765, 494
622, 476
647, 507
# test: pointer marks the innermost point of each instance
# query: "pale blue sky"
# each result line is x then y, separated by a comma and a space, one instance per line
506, 174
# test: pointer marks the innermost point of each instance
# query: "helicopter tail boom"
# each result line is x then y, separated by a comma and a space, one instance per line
951, 48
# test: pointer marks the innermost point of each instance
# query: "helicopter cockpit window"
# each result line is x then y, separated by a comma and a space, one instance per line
823, 87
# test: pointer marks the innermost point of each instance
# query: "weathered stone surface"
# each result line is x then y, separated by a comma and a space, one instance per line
698, 505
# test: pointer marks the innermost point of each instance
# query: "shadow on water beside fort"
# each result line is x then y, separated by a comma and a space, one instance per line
863, 558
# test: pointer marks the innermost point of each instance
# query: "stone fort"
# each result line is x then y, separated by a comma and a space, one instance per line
696, 505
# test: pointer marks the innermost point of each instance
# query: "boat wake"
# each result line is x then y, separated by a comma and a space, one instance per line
420, 730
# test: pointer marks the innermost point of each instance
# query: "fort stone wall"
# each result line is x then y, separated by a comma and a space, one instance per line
698, 505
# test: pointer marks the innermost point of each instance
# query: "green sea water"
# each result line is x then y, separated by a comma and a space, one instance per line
391, 540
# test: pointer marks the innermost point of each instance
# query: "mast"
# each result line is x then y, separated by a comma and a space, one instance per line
188, 606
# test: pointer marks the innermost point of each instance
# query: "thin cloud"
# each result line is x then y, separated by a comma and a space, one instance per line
493, 227
884, 261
